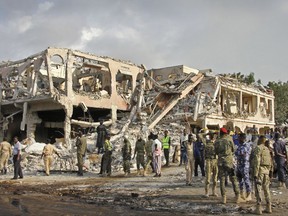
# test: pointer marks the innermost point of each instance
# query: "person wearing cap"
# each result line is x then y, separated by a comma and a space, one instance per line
107, 156
126, 153
224, 149
140, 152
47, 152
81, 144
242, 154
166, 143
280, 158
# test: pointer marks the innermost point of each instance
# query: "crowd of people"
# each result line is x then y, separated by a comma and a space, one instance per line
249, 160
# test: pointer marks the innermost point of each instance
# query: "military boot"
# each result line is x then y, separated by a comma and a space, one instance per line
138, 172
258, 210
242, 195
238, 199
268, 208
284, 185
214, 191
224, 199
144, 173
249, 196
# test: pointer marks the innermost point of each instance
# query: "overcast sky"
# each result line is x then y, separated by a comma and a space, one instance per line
226, 36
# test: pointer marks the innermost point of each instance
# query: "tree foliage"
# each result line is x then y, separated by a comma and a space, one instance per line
248, 79
281, 99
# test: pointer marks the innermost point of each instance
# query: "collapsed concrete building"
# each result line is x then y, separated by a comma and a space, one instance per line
62, 89
200, 99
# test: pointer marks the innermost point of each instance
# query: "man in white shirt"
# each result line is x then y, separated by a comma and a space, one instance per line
17, 159
183, 143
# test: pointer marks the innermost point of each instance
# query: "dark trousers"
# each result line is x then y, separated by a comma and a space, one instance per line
166, 155
17, 167
107, 159
199, 162
183, 157
280, 161
80, 163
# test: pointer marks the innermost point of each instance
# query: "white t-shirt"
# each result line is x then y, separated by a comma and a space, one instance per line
159, 145
17, 147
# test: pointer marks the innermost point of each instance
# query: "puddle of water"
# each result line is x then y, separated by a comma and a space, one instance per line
17, 204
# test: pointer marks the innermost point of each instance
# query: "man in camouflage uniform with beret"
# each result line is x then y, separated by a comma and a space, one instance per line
224, 149
261, 165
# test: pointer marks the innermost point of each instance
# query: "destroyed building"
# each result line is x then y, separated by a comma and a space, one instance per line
62, 89
199, 99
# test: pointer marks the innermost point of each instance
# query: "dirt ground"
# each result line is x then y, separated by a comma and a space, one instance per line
67, 194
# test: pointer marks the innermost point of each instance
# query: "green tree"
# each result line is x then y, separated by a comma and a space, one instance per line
281, 99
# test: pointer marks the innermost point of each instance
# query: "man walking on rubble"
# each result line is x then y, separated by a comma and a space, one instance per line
166, 144
126, 153
210, 163
48, 151
101, 135
243, 166
261, 165
280, 159
224, 149
5, 154
107, 156
17, 159
81, 143
149, 153
140, 152
183, 144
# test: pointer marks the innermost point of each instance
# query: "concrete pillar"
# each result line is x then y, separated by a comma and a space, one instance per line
114, 113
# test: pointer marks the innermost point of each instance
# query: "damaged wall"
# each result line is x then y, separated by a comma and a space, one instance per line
64, 79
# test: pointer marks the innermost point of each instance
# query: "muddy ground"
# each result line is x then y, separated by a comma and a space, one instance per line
67, 194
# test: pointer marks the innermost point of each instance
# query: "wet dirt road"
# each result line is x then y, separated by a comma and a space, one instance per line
66, 194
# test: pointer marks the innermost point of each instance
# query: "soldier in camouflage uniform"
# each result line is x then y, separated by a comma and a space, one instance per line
261, 165
224, 149
140, 151
210, 163
126, 153
149, 155
243, 166
81, 144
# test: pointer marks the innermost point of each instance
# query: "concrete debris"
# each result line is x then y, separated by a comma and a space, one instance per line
56, 92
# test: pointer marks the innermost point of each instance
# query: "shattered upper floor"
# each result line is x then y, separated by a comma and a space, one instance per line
207, 100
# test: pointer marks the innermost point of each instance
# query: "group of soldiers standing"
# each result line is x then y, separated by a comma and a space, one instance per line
248, 165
